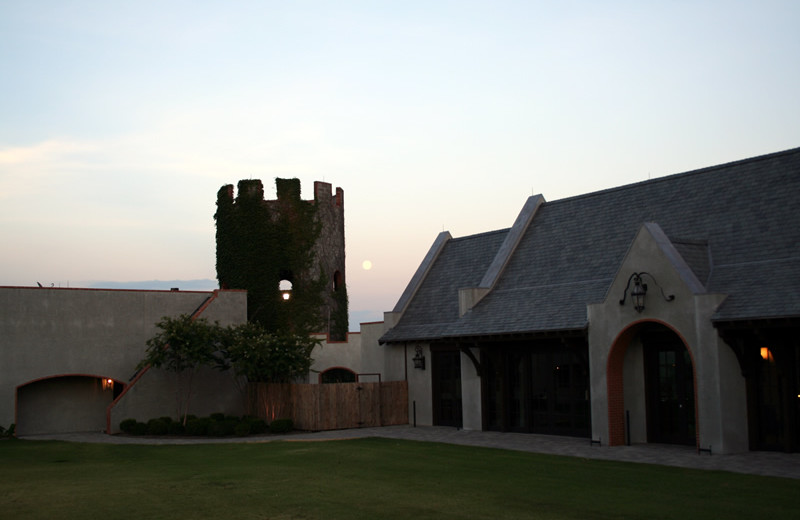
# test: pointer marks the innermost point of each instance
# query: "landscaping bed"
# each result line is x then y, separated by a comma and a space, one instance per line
215, 425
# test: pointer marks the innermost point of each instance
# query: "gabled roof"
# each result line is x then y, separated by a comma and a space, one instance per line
736, 225
461, 263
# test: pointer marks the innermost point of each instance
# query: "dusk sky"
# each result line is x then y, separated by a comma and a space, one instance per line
119, 121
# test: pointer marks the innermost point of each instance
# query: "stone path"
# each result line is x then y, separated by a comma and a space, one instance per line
757, 462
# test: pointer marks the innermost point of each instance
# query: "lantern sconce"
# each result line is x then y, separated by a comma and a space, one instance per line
419, 359
639, 290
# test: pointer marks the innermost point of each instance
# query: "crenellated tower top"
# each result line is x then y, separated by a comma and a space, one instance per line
264, 246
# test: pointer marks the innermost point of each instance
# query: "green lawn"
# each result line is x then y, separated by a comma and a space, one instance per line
364, 478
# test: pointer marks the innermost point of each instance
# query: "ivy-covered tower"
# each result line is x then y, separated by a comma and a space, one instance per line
287, 253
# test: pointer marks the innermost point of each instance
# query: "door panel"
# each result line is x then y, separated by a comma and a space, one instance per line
542, 389
669, 379
446, 367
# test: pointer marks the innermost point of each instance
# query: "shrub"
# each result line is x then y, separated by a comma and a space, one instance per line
157, 427
281, 426
222, 428
216, 425
127, 425
242, 429
257, 426
197, 427
176, 428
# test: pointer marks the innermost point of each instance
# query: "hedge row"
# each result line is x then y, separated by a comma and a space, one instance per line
216, 425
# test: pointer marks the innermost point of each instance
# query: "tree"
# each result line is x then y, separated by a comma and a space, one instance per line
183, 346
266, 357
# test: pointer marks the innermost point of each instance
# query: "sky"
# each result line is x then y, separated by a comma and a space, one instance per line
120, 121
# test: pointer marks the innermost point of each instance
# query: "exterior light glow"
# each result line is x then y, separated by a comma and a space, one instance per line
285, 287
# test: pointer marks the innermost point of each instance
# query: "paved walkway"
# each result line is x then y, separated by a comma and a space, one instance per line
758, 463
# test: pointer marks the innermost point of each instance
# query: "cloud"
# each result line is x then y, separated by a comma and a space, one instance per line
43, 152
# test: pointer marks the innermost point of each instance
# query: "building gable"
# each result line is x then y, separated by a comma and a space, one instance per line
732, 230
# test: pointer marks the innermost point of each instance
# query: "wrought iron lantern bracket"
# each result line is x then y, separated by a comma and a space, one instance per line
639, 290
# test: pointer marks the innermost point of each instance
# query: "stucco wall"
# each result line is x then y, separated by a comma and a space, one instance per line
420, 389
721, 420
361, 353
634, 392
471, 393
337, 354
51, 333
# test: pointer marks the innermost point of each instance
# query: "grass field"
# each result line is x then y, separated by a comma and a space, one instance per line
363, 479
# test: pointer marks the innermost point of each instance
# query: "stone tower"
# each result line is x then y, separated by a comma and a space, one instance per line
287, 253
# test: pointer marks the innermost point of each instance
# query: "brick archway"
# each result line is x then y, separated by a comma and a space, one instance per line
615, 377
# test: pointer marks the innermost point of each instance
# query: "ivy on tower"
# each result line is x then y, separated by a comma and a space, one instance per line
266, 246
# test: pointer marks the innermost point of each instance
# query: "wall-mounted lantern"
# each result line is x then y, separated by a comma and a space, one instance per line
639, 291
419, 359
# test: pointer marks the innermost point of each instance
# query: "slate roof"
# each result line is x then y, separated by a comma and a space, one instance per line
461, 263
736, 225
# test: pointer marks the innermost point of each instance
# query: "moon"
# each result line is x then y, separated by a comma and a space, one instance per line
366, 265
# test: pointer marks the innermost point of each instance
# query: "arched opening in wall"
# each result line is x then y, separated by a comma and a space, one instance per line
337, 375
337, 280
64, 404
656, 359
285, 285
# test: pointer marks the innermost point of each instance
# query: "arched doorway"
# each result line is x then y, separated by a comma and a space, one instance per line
337, 375
62, 404
654, 358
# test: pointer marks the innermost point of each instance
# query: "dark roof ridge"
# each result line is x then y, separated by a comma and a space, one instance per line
480, 235
672, 176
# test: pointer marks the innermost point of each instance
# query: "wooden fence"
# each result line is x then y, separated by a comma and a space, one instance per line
331, 406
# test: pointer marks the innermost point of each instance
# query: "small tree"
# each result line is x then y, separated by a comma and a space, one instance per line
183, 346
264, 357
